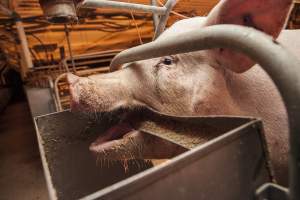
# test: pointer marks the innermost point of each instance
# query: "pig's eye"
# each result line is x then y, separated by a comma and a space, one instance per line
167, 61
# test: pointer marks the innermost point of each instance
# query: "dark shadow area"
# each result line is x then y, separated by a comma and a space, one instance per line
21, 173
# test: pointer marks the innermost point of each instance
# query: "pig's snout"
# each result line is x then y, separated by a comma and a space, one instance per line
74, 93
101, 93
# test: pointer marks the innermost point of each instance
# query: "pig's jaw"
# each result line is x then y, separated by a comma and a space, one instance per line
111, 139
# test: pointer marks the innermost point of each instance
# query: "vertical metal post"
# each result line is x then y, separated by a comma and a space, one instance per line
24, 50
154, 15
69, 47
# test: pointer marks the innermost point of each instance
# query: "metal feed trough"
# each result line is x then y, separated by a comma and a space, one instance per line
230, 163
222, 167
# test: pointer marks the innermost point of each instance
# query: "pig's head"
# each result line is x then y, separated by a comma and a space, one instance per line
185, 84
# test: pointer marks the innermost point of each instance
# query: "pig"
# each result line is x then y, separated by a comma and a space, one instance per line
209, 82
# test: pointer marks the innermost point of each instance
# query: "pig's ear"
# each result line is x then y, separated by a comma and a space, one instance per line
269, 16
71, 78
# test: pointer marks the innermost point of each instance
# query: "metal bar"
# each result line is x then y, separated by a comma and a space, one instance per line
164, 18
282, 67
69, 47
53, 93
122, 5
155, 16
25, 53
56, 90
65, 65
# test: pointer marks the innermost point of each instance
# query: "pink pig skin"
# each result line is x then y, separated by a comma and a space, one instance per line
211, 82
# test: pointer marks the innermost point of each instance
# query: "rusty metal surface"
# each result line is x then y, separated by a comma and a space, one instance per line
230, 165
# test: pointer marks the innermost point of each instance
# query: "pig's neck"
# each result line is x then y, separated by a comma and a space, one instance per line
255, 94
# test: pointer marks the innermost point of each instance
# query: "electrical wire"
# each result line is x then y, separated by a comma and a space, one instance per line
135, 24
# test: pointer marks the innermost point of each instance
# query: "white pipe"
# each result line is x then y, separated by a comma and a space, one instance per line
122, 5
25, 53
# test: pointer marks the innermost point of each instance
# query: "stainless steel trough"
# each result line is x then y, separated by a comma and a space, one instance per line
230, 165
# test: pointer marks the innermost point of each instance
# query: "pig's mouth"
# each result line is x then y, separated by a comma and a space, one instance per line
124, 141
112, 138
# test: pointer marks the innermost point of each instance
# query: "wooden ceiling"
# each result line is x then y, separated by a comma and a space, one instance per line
99, 30
103, 29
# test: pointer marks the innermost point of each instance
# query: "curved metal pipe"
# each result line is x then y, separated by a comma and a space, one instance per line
56, 90
283, 68
53, 93
122, 5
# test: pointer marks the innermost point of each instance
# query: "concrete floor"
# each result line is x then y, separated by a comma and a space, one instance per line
21, 173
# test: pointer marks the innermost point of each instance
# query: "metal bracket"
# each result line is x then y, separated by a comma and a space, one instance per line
271, 191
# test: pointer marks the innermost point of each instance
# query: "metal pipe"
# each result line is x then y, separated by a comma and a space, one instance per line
164, 18
65, 65
52, 91
154, 15
159, 22
56, 90
283, 68
122, 5
69, 47
25, 53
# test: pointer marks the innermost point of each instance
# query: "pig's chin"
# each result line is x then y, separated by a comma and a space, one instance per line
122, 141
